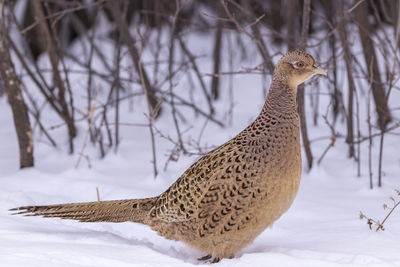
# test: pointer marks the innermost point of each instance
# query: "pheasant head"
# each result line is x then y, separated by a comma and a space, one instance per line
296, 67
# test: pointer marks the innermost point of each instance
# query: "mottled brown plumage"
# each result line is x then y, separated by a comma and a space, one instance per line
230, 195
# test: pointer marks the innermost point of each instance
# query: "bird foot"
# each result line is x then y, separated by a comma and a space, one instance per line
208, 257
204, 258
215, 260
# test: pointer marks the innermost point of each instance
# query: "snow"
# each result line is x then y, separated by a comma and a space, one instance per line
322, 228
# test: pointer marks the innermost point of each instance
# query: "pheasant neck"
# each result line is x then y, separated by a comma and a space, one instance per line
281, 100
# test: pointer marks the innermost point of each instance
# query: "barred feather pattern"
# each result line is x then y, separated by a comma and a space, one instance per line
133, 210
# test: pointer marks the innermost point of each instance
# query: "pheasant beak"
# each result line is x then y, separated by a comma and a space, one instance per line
318, 70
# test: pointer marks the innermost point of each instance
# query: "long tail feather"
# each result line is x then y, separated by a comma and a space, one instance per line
134, 210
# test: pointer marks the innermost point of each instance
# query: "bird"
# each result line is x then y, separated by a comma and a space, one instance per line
222, 202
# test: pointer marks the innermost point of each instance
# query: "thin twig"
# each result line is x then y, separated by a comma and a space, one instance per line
377, 223
98, 193
90, 121
370, 132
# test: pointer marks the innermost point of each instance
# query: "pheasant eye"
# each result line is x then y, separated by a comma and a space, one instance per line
300, 64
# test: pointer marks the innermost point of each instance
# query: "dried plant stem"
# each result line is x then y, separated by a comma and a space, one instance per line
392, 75
333, 134
370, 134
390, 212
367, 42
197, 72
54, 60
256, 36
150, 111
117, 86
90, 122
215, 81
97, 193
170, 70
300, 89
377, 223
350, 79
380, 158
129, 41
358, 136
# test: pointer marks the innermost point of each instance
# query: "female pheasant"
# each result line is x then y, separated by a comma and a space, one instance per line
230, 195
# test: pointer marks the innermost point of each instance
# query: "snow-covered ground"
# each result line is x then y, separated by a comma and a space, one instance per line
322, 228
